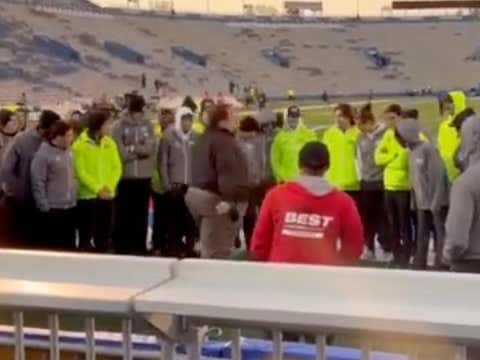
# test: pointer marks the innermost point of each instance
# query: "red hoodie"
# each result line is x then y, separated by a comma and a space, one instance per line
298, 226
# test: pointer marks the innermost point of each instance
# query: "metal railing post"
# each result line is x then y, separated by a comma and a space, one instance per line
54, 324
320, 347
127, 328
90, 338
19, 335
277, 345
237, 345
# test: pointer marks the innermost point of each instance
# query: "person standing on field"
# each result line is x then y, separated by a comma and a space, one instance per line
136, 141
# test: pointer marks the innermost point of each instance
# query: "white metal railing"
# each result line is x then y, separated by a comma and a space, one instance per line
184, 299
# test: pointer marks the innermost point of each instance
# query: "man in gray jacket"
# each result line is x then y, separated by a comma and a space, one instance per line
462, 241
16, 176
430, 189
135, 139
55, 188
176, 169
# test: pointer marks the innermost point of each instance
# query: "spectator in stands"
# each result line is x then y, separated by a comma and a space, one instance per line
393, 159
16, 176
136, 141
144, 81
95, 150
201, 124
264, 115
161, 207
372, 201
220, 185
462, 241
448, 138
287, 145
9, 127
176, 170
430, 190
252, 143
291, 95
55, 190
302, 221
341, 141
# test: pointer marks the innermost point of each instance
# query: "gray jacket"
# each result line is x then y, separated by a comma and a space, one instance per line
254, 152
136, 144
16, 165
366, 144
53, 180
176, 157
428, 176
462, 239
468, 151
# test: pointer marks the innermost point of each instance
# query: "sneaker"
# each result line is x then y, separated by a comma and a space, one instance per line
368, 255
386, 257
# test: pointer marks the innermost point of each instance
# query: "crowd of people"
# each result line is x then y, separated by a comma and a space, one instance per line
88, 182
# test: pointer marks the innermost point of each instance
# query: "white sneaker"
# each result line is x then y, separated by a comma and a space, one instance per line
387, 257
368, 255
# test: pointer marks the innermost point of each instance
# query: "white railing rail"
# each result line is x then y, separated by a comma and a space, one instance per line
184, 299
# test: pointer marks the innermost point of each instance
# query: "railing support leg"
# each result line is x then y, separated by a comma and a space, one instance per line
54, 324
19, 335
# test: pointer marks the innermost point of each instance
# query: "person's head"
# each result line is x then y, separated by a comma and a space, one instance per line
136, 105
344, 116
47, 119
61, 135
221, 117
410, 114
76, 115
446, 105
392, 115
314, 159
166, 118
366, 119
206, 105
8, 123
407, 132
248, 128
21, 116
184, 120
294, 115
190, 103
99, 124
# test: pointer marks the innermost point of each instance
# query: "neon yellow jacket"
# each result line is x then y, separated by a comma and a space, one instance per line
199, 126
285, 150
96, 165
342, 148
448, 138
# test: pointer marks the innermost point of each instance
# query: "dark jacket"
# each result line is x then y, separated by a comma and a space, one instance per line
219, 166
16, 165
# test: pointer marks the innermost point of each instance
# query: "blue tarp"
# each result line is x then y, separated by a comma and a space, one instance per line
379, 59
190, 55
54, 48
276, 58
124, 52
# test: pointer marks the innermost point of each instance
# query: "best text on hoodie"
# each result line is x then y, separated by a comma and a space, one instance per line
301, 222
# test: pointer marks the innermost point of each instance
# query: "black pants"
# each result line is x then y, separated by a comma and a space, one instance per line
25, 218
160, 221
429, 223
131, 216
181, 226
58, 229
373, 215
397, 204
95, 222
356, 196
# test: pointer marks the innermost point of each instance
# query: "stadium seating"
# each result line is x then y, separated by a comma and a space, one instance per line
276, 58
189, 55
377, 58
124, 52
54, 48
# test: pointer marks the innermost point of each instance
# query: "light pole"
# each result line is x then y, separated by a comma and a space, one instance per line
358, 9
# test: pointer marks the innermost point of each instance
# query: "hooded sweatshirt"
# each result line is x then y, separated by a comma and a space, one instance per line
468, 150
428, 176
17, 163
176, 152
342, 147
462, 241
254, 152
301, 222
369, 171
136, 143
448, 138
53, 179
286, 148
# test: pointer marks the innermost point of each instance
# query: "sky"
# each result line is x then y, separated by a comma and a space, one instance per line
331, 7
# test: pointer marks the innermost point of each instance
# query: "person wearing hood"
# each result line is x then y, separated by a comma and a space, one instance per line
287, 145
462, 240
17, 178
201, 124
430, 191
308, 221
220, 186
372, 200
459, 157
55, 188
136, 141
448, 138
9, 127
176, 170
341, 141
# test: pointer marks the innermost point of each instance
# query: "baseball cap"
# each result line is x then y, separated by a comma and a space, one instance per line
314, 155
294, 111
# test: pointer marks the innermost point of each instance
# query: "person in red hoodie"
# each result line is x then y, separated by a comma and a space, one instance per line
308, 221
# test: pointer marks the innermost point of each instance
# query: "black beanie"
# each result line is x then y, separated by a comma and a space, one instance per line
314, 156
